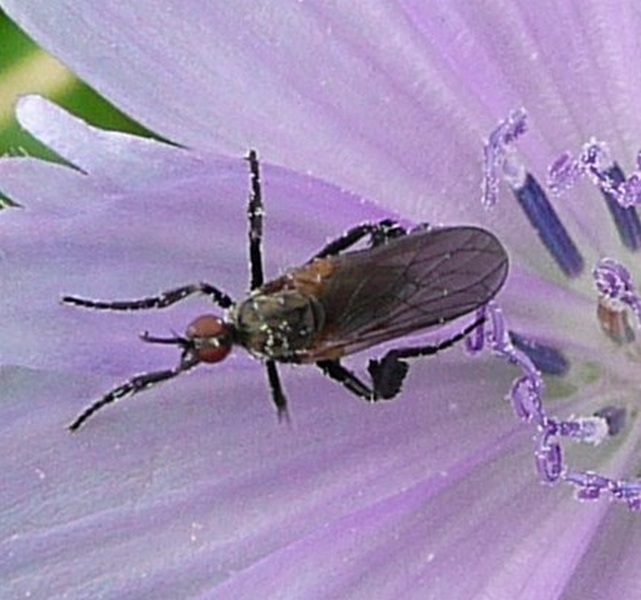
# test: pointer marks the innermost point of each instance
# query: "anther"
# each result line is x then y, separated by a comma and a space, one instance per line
549, 227
501, 163
625, 216
620, 194
547, 359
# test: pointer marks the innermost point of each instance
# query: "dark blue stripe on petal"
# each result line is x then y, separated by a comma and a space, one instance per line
546, 359
626, 219
553, 234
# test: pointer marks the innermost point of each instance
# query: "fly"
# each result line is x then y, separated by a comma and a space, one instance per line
343, 300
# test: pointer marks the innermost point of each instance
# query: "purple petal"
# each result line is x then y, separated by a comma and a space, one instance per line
195, 482
391, 100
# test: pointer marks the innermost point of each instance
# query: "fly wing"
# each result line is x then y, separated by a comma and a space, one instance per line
420, 280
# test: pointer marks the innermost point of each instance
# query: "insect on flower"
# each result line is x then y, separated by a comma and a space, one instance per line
339, 302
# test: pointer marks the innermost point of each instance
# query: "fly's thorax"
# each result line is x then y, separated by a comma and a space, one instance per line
277, 324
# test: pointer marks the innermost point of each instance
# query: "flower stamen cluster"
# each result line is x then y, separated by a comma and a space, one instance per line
616, 299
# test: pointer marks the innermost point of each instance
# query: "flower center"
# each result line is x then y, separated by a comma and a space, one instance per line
607, 424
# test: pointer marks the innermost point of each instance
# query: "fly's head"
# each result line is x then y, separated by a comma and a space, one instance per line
209, 339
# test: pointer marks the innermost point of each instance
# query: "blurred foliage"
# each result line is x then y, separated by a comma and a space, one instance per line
25, 68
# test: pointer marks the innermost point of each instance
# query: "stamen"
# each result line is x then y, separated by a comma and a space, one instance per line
547, 224
500, 162
526, 397
475, 340
563, 173
546, 359
592, 430
525, 392
548, 458
608, 421
614, 284
496, 153
596, 163
616, 295
627, 491
590, 485
620, 194
626, 218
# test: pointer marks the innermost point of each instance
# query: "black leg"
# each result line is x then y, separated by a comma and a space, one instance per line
335, 370
380, 233
417, 351
133, 386
278, 396
388, 373
160, 301
255, 215
387, 378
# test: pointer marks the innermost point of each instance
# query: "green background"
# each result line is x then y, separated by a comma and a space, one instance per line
24, 69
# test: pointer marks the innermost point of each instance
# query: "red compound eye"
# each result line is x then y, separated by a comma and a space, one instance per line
212, 338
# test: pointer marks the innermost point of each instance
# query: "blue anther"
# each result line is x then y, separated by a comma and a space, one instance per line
626, 219
551, 231
546, 359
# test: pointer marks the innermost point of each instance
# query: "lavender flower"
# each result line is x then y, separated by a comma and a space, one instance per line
192, 489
